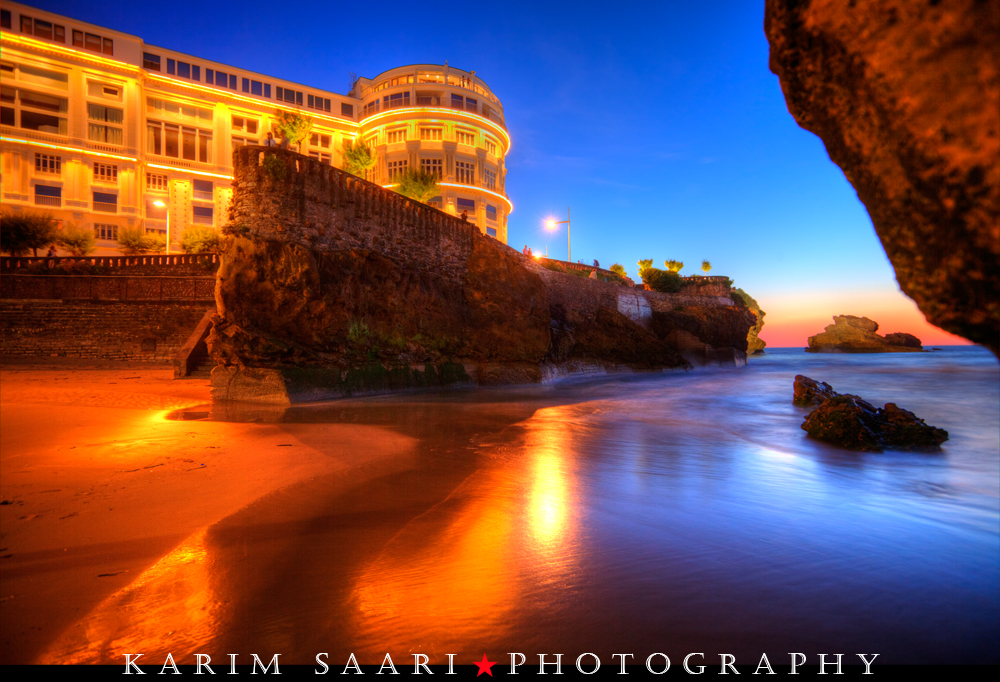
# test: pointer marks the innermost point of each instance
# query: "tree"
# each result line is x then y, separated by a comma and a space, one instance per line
134, 241
674, 265
645, 264
706, 267
199, 239
293, 125
26, 231
417, 184
79, 241
358, 157
618, 269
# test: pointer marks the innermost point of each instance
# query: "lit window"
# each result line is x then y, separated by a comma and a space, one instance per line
320, 140
394, 136
465, 173
168, 139
105, 124
397, 167
156, 182
243, 124
491, 146
47, 163
430, 133
105, 172
106, 232
464, 137
490, 179
322, 157
33, 111
431, 166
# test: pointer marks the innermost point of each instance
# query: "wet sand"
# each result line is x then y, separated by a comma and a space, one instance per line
99, 486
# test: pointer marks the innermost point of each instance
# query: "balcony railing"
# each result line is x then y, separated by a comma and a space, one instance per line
105, 207
48, 201
436, 102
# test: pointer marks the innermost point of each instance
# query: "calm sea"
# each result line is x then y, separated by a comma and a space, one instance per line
676, 513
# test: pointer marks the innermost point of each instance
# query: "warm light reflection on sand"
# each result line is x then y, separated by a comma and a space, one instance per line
171, 607
476, 564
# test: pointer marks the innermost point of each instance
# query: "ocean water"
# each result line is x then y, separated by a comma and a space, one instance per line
677, 513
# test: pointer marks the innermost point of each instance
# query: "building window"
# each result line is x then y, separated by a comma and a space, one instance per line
491, 212
105, 202
466, 204
430, 133
465, 173
253, 87
5, 18
491, 231
150, 62
457, 102
183, 70
106, 232
431, 166
48, 196
242, 124
346, 109
370, 108
183, 112
103, 91
288, 95
491, 146
39, 28
394, 136
400, 99
320, 140
202, 214
465, 137
105, 172
490, 179
322, 157
33, 111
319, 103
92, 42
98, 130
203, 190
397, 168
169, 139
218, 78
47, 163
243, 142
156, 182
372, 142
471, 104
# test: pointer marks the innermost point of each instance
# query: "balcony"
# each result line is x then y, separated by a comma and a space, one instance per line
105, 207
54, 202
435, 102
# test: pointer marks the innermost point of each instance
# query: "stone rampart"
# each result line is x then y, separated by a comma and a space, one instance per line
107, 288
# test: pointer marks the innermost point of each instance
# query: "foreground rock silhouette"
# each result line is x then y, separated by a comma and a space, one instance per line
905, 97
851, 422
852, 334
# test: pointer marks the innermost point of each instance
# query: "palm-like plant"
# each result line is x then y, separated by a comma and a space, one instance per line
674, 265
706, 267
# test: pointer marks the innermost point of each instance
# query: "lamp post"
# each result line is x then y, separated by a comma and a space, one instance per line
160, 204
569, 246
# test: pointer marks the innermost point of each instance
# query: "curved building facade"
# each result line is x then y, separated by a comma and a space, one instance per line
446, 121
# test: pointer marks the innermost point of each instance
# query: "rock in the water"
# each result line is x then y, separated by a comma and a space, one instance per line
851, 334
810, 392
851, 422
905, 97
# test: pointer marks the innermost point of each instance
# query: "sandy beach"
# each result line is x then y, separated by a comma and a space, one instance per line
98, 486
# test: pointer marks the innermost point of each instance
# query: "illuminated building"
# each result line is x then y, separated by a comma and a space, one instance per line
104, 130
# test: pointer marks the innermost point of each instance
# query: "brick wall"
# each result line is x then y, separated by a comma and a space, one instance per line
145, 332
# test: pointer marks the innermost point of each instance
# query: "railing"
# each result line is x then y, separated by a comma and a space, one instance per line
105, 207
439, 102
202, 196
10, 264
48, 201
10, 132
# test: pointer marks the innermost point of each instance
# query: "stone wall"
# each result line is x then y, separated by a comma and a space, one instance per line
174, 265
330, 285
143, 332
107, 288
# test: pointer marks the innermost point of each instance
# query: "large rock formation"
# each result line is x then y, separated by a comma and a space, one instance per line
755, 344
851, 334
905, 96
329, 285
850, 422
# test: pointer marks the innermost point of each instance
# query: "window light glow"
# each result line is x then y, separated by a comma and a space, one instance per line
75, 150
188, 170
470, 188
473, 118
68, 51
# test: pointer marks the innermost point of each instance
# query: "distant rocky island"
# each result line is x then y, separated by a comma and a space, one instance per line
852, 334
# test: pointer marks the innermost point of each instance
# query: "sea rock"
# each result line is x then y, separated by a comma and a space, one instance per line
755, 344
905, 97
810, 392
851, 334
851, 422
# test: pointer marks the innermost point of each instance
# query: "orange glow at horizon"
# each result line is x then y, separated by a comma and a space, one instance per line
792, 319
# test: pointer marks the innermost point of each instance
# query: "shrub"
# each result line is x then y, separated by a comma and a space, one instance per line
275, 167
417, 184
554, 266
662, 280
26, 231
618, 269
200, 239
79, 241
133, 241
293, 125
358, 158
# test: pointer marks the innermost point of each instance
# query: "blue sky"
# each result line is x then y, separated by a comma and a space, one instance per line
659, 124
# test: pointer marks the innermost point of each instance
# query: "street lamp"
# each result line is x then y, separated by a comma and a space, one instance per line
160, 204
552, 225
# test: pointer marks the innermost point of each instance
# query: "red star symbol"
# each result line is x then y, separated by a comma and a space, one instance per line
484, 666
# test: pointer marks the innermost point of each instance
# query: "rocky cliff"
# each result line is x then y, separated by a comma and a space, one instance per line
329, 285
905, 96
755, 344
851, 334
